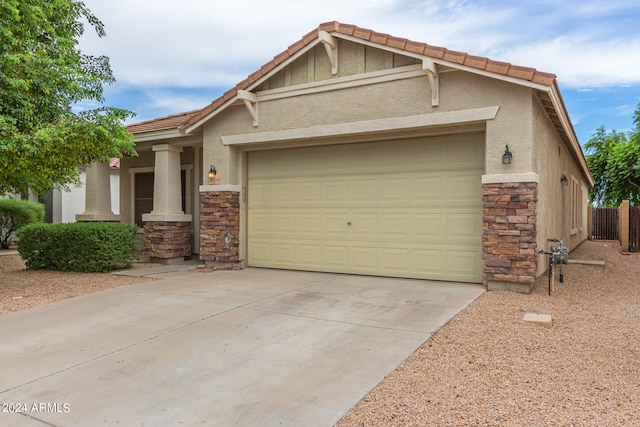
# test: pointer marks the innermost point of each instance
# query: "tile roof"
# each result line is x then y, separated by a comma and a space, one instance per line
461, 58
173, 121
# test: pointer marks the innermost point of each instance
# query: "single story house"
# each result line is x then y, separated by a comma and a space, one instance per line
358, 152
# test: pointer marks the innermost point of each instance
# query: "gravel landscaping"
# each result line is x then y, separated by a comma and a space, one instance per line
21, 289
487, 367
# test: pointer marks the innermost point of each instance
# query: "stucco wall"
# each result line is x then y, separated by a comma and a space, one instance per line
400, 98
551, 161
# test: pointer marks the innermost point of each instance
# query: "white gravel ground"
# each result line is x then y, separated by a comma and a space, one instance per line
488, 367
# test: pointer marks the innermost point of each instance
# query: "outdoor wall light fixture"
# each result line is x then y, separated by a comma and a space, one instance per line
506, 157
563, 180
212, 173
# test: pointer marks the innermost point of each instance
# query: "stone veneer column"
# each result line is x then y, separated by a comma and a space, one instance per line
167, 240
97, 196
167, 229
219, 224
509, 259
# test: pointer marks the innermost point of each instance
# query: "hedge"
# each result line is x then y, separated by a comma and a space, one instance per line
80, 246
16, 213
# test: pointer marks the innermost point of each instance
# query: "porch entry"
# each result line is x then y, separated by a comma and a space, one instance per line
143, 194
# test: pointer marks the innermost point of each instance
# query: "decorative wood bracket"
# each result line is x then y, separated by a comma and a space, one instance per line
250, 100
331, 46
434, 81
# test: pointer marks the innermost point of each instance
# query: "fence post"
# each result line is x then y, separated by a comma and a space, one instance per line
589, 222
624, 225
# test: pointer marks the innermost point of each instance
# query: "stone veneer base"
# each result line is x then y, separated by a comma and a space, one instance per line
509, 260
220, 227
166, 240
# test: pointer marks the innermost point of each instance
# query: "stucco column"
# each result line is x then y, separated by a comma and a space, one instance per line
167, 229
97, 196
623, 215
167, 191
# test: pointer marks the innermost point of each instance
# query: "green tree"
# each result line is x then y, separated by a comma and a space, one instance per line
614, 160
43, 77
15, 214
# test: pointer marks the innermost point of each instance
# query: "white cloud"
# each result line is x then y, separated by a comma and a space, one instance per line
198, 42
582, 62
164, 52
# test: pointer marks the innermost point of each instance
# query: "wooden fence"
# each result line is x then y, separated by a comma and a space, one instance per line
634, 229
622, 224
604, 225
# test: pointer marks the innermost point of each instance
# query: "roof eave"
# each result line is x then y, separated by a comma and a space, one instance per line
158, 135
558, 103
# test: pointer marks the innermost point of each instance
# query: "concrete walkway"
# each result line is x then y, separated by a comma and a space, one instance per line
228, 348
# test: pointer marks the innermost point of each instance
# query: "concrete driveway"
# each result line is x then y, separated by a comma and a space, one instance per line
229, 348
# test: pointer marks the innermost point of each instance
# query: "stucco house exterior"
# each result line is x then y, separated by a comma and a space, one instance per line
359, 152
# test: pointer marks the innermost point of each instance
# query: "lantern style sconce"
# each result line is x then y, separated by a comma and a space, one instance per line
506, 157
212, 174
564, 181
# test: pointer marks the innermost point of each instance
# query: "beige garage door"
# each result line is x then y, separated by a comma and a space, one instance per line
408, 208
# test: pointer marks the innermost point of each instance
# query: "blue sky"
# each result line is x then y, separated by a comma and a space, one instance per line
169, 57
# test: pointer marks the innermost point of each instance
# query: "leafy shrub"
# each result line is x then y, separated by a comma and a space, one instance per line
80, 246
15, 214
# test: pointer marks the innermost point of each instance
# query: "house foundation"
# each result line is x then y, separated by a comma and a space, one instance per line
220, 227
509, 260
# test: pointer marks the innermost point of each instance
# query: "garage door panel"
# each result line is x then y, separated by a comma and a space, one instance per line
414, 208
336, 192
397, 155
428, 189
309, 256
284, 254
464, 263
464, 225
336, 257
363, 225
335, 160
260, 253
395, 261
429, 225
283, 222
260, 223
395, 190
283, 193
335, 224
464, 188
395, 225
364, 259
464, 153
364, 190
260, 194
309, 224
309, 193
428, 262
